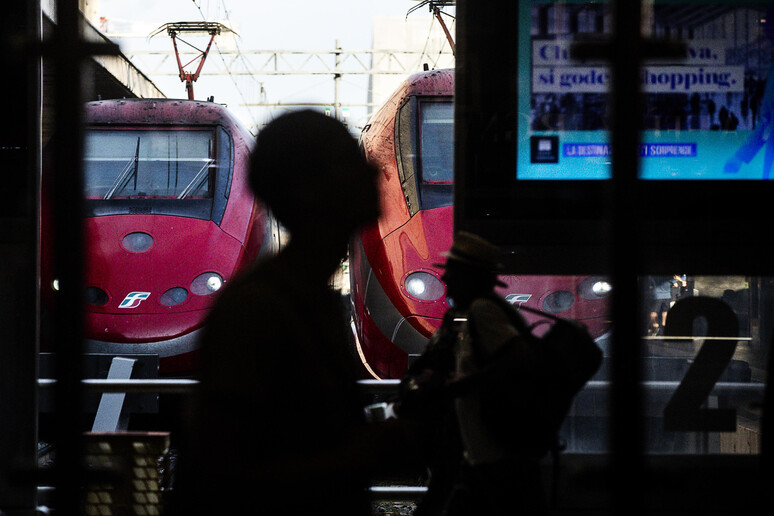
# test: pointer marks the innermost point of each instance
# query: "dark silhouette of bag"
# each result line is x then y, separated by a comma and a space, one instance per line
524, 406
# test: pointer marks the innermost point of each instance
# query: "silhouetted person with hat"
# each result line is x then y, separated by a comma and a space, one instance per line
278, 424
476, 336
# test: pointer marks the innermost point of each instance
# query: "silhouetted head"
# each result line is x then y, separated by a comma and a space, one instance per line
471, 268
308, 169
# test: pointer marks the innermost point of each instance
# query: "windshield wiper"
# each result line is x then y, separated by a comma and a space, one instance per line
129, 171
198, 179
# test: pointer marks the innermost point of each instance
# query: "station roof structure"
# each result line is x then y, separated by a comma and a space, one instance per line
114, 76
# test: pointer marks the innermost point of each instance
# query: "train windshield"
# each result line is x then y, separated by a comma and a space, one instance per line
436, 153
157, 170
149, 163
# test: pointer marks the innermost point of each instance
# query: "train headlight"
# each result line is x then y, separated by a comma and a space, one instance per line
423, 286
173, 296
96, 296
558, 302
206, 283
601, 288
594, 287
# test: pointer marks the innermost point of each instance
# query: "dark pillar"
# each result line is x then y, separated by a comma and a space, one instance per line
67, 53
626, 407
20, 158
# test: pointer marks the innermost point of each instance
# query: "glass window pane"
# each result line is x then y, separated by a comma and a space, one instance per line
706, 114
148, 163
686, 356
437, 142
436, 153
563, 112
702, 393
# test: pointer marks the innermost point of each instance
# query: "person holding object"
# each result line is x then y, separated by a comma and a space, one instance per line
477, 345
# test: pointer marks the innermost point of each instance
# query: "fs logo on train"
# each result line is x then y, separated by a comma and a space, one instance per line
133, 299
518, 299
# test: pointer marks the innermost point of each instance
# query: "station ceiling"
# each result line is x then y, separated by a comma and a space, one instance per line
106, 76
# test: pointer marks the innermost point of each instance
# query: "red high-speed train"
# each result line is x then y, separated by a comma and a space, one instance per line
398, 298
169, 219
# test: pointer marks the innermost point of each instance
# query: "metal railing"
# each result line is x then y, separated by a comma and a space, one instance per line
372, 386
402, 493
183, 385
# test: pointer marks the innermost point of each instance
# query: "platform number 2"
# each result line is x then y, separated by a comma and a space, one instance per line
684, 412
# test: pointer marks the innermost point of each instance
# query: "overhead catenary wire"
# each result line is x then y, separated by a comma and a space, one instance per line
241, 56
228, 69
440, 50
253, 93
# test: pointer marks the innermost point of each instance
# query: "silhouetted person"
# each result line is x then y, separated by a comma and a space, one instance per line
278, 425
711, 111
495, 475
659, 299
723, 118
695, 109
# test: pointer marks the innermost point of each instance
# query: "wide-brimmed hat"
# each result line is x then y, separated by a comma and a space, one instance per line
475, 252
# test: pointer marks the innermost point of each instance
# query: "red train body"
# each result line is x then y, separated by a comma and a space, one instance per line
169, 220
398, 299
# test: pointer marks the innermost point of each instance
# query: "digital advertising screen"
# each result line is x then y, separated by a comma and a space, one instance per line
706, 116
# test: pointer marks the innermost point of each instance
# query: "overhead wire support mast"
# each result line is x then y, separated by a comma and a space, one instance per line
211, 28
433, 6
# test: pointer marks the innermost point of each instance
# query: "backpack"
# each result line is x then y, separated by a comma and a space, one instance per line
525, 410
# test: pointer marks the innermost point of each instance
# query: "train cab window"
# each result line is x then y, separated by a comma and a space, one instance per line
436, 153
165, 164
156, 170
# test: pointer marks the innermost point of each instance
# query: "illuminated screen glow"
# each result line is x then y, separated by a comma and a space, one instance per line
706, 116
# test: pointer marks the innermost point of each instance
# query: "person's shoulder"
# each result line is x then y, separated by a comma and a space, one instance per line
492, 324
489, 304
250, 289
492, 311
247, 311
265, 274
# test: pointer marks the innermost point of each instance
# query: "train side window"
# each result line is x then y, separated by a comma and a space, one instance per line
225, 165
406, 155
436, 153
